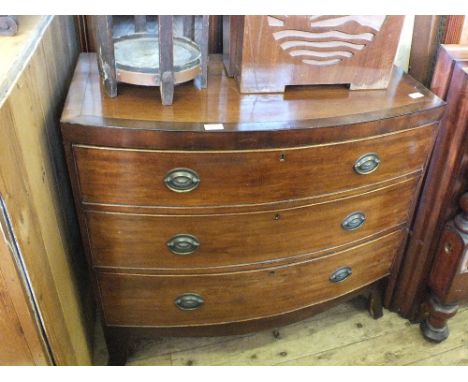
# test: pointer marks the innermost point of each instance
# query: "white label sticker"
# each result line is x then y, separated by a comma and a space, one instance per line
416, 95
214, 126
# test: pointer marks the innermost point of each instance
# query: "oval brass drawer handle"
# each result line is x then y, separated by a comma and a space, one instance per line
367, 163
183, 244
341, 274
189, 301
353, 221
182, 180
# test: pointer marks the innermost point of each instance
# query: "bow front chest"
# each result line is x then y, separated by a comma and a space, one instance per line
226, 213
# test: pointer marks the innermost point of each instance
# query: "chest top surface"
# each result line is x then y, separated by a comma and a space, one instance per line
221, 102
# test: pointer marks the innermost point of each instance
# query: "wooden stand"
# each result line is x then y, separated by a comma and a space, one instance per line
448, 281
180, 59
445, 183
434, 327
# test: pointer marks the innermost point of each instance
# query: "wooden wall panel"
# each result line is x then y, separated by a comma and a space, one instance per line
34, 184
21, 335
14, 349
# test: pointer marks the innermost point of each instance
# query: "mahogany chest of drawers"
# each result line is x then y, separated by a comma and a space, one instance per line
226, 213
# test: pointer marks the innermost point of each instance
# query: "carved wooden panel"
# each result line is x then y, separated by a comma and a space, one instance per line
298, 50
322, 40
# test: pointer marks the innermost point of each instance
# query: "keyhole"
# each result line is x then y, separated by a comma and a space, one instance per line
282, 158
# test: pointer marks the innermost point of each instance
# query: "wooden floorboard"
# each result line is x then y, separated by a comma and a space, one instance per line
344, 335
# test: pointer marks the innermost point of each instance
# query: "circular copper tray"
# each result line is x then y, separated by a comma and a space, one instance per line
137, 59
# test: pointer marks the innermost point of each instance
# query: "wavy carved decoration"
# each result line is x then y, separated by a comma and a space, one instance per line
324, 40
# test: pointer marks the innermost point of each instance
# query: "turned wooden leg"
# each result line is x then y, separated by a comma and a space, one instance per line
375, 303
434, 327
166, 59
140, 23
117, 345
201, 81
106, 55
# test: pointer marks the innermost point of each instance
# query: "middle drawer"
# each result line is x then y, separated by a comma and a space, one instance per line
210, 241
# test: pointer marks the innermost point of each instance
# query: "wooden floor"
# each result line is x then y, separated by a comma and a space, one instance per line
344, 335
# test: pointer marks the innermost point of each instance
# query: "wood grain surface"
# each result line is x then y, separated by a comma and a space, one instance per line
300, 50
131, 177
148, 300
21, 340
140, 241
34, 181
221, 102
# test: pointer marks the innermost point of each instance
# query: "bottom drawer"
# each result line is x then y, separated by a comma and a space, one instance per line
179, 300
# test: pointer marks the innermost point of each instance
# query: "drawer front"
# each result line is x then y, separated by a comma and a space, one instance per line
209, 178
156, 300
171, 242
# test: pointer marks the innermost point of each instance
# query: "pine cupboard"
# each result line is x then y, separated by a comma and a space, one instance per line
44, 317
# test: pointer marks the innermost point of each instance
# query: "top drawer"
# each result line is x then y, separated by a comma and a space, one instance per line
214, 178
